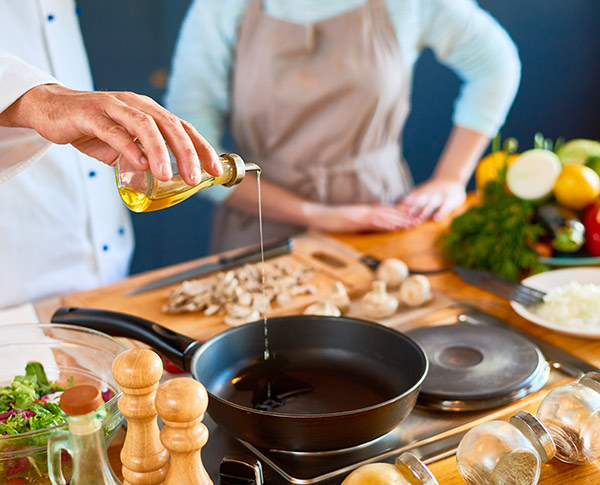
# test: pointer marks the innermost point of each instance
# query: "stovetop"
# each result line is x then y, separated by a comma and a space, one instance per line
429, 434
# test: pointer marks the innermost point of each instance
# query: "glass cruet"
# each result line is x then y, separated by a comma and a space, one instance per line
505, 453
407, 470
142, 192
571, 412
84, 410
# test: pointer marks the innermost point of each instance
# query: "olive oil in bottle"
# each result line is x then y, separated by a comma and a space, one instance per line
142, 192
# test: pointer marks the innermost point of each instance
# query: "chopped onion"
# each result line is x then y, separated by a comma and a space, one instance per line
573, 305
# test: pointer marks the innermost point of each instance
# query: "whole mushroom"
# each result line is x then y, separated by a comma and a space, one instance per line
393, 271
378, 303
415, 290
339, 297
323, 307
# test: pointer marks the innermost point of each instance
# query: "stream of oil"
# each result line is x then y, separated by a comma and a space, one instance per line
262, 267
278, 388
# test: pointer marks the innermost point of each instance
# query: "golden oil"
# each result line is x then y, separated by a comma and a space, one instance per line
142, 192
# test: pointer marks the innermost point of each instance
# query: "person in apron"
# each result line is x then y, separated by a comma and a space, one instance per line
320, 107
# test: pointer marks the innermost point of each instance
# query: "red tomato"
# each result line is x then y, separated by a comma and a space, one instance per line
591, 221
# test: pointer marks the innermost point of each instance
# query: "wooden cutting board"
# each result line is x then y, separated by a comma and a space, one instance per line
330, 260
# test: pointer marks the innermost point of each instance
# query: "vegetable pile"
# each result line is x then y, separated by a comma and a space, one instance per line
542, 202
30, 402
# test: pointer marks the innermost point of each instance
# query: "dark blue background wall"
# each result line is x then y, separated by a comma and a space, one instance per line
130, 44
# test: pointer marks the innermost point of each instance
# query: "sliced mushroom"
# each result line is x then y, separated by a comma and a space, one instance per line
235, 321
415, 290
323, 307
378, 303
251, 286
393, 271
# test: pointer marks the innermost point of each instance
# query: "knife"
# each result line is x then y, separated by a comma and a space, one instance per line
271, 250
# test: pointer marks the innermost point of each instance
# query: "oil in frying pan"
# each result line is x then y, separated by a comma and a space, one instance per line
305, 388
267, 387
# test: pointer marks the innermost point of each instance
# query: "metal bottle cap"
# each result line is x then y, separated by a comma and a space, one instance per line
535, 432
239, 168
591, 380
412, 467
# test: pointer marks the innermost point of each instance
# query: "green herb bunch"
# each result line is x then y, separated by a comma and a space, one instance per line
497, 235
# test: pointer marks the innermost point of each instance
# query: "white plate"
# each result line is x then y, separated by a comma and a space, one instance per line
553, 279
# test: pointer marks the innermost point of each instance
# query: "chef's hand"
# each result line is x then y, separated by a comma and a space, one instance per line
105, 124
357, 218
434, 198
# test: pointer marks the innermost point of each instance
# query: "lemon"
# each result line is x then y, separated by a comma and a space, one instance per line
490, 166
577, 186
578, 151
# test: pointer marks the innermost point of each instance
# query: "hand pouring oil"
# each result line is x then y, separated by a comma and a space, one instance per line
142, 192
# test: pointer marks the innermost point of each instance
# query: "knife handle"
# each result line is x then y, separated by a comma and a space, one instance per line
271, 250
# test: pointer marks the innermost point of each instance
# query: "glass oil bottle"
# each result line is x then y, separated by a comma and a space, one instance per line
142, 192
84, 409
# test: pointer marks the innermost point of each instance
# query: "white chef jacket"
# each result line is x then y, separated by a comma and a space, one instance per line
63, 226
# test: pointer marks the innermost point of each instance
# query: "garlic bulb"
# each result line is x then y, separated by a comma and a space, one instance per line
323, 307
415, 290
392, 271
377, 303
339, 297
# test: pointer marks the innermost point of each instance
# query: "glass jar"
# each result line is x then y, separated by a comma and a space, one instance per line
408, 470
571, 413
505, 453
142, 192
84, 410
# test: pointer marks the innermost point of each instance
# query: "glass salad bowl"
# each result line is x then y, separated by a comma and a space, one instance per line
69, 355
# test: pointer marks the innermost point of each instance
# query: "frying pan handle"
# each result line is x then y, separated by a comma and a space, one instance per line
178, 348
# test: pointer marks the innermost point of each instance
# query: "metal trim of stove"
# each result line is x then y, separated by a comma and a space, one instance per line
431, 435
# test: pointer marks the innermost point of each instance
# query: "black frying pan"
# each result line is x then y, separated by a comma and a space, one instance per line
331, 382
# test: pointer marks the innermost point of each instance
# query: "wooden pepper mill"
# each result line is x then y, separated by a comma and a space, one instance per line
145, 460
181, 403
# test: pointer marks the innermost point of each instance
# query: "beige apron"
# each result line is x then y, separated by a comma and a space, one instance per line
320, 107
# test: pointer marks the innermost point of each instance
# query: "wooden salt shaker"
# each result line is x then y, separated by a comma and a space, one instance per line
145, 460
181, 403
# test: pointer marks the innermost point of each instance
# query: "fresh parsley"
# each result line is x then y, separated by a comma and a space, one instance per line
496, 235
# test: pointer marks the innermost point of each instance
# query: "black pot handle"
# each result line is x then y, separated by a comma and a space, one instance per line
178, 348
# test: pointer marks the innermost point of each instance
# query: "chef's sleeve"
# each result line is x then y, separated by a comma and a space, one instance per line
19, 147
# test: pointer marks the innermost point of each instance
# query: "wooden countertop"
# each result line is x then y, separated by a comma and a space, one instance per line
419, 248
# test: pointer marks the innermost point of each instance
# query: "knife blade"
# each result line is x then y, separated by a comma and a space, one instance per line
271, 250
